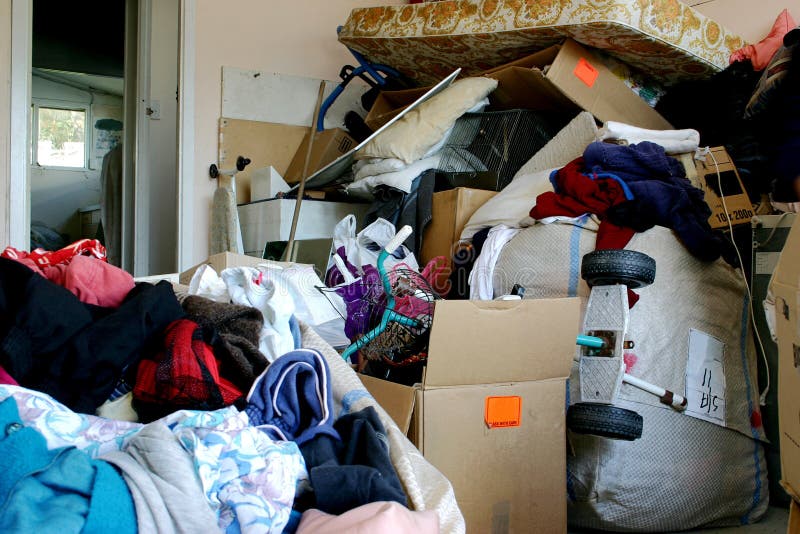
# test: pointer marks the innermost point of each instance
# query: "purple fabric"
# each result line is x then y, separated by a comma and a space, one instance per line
333, 277
364, 300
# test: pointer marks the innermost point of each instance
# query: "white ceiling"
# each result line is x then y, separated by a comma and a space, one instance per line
106, 84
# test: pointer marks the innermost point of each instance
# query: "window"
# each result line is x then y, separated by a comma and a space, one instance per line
60, 137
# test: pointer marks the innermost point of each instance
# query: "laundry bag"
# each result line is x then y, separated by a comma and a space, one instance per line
684, 472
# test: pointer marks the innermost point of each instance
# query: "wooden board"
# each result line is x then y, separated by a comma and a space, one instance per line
264, 143
281, 98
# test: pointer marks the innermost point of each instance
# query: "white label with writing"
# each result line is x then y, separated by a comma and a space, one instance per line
766, 262
705, 378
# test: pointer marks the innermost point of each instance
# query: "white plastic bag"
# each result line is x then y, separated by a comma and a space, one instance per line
363, 248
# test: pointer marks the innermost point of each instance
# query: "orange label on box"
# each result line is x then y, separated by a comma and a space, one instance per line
503, 411
585, 72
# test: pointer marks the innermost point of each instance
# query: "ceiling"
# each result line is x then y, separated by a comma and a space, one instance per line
102, 84
81, 37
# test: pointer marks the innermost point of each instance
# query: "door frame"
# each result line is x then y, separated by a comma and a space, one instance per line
18, 200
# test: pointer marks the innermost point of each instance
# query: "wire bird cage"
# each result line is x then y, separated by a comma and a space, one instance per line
499, 141
404, 340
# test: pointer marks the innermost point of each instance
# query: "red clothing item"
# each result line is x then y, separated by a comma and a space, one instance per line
92, 281
82, 269
184, 374
6, 378
579, 194
42, 258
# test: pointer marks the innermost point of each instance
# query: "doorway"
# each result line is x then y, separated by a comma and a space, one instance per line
102, 79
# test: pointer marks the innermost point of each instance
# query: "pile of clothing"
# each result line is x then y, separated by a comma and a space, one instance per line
211, 413
631, 189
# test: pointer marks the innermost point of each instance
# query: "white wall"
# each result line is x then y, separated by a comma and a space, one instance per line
58, 194
291, 37
163, 141
750, 19
5, 117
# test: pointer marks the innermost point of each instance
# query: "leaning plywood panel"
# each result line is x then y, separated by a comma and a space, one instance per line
265, 143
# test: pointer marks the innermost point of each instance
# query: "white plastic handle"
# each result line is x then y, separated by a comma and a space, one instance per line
398, 239
346, 274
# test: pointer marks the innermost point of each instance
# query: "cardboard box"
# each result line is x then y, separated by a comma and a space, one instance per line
785, 287
569, 78
490, 411
328, 145
271, 220
794, 518
389, 104
264, 143
451, 212
705, 177
222, 261
769, 236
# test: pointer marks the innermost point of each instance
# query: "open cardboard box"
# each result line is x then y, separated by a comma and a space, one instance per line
785, 287
570, 78
222, 261
451, 211
739, 207
490, 413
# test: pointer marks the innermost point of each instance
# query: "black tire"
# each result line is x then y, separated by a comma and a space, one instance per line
609, 267
605, 421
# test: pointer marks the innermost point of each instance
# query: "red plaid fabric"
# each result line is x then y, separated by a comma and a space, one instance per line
185, 374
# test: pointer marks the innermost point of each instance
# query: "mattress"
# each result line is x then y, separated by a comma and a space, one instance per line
662, 38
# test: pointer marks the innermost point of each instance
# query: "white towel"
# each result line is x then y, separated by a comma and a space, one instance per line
673, 141
401, 179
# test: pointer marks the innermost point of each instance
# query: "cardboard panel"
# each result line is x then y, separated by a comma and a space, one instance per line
510, 479
603, 94
451, 211
265, 143
328, 145
786, 289
739, 209
486, 342
396, 399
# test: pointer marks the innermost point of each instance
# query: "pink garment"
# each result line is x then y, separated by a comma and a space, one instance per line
760, 54
373, 518
7, 379
93, 281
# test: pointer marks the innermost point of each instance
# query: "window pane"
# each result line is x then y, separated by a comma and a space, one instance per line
62, 139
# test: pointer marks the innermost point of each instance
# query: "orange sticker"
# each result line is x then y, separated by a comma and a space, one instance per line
503, 411
585, 72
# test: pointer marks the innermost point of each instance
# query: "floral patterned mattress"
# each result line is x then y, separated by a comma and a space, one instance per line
662, 38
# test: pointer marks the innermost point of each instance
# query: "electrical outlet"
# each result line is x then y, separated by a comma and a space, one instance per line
154, 110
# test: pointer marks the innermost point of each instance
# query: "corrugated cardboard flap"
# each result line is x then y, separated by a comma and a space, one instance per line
490, 342
787, 271
396, 399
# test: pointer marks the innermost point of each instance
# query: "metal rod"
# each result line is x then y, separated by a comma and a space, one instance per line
667, 397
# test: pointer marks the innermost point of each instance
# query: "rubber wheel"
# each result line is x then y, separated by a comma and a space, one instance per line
610, 267
604, 420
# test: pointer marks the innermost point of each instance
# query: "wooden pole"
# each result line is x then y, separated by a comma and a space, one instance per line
287, 255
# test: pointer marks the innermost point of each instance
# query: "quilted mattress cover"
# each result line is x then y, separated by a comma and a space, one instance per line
665, 39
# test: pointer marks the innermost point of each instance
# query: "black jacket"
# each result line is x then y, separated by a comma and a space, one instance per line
51, 342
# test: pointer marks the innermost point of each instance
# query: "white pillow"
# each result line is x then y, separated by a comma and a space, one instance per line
410, 138
511, 205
